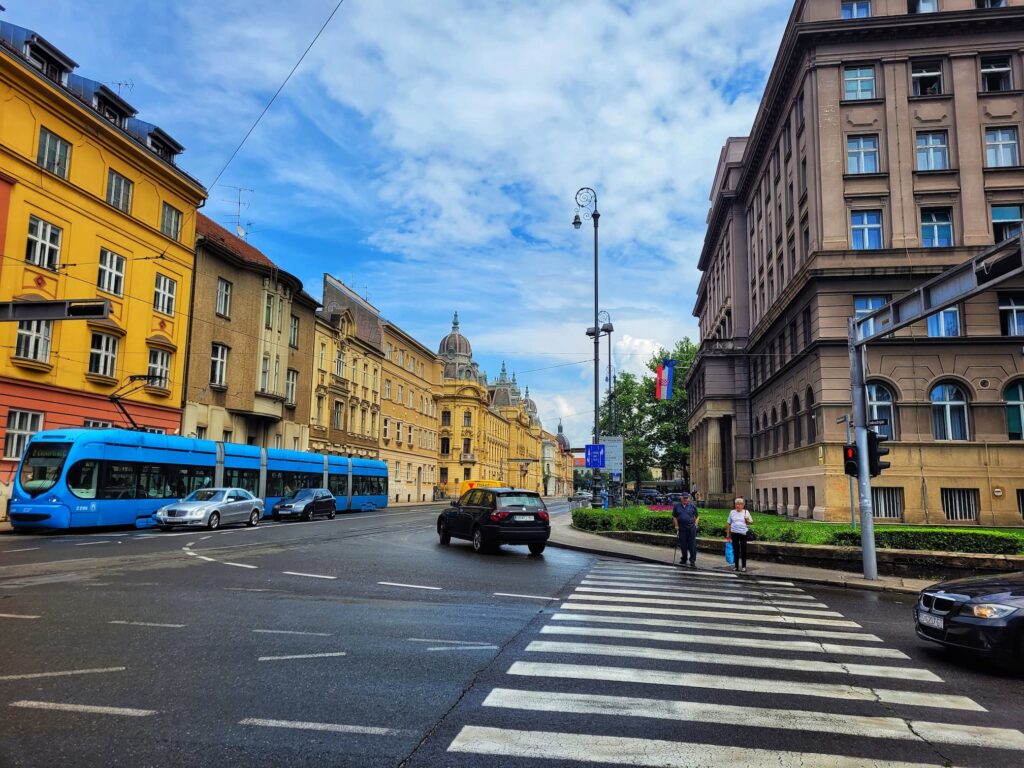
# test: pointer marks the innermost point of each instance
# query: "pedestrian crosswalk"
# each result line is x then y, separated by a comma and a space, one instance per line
648, 665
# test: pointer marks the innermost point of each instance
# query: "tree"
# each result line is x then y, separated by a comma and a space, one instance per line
633, 400
671, 417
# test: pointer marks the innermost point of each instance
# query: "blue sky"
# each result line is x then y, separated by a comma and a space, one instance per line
427, 153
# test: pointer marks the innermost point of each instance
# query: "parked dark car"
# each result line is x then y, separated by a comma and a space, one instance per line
982, 614
647, 496
490, 517
306, 503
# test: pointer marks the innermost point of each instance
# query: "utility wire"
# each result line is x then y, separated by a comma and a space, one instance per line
276, 94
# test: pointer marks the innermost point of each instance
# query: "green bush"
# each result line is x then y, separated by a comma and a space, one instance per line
939, 540
655, 522
592, 519
788, 536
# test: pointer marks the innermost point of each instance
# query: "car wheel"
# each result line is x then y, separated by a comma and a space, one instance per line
443, 534
214, 522
478, 540
308, 514
164, 528
276, 517
332, 513
254, 518
537, 548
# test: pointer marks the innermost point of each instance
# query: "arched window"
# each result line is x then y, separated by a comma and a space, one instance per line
785, 426
775, 431
880, 406
812, 427
1015, 411
949, 412
798, 430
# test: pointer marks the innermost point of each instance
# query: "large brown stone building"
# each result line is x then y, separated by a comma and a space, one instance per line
886, 149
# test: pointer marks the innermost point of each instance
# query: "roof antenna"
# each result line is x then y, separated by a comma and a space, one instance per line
241, 231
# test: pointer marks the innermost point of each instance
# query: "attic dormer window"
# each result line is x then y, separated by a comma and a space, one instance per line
110, 112
46, 64
161, 149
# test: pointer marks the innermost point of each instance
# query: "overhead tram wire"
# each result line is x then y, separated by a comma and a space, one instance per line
276, 94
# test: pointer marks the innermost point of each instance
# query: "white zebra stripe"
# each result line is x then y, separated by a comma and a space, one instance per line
703, 604
724, 589
696, 596
708, 614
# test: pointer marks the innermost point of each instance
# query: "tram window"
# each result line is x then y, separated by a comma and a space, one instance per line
249, 479
153, 482
82, 479
338, 484
184, 480
369, 486
119, 481
275, 483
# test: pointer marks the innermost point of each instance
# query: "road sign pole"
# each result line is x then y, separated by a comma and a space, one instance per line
860, 421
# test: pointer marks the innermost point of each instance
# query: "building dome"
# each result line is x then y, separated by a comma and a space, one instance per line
529, 405
455, 343
563, 441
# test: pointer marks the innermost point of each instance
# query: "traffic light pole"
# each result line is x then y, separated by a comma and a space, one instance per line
860, 425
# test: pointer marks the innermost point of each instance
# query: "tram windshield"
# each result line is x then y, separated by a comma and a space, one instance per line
42, 466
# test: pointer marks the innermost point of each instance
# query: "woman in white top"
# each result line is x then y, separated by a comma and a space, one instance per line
736, 530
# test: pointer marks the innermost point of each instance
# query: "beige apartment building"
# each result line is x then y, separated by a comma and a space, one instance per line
409, 431
250, 336
886, 149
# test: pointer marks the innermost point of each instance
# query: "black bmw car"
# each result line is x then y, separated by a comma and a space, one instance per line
490, 517
982, 614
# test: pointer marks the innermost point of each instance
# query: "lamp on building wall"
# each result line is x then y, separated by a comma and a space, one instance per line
586, 201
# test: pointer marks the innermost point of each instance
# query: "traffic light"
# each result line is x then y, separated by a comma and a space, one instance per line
876, 452
851, 465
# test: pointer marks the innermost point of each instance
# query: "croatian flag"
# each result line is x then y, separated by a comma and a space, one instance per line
663, 383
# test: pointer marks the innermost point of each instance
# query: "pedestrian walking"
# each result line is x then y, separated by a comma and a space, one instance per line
685, 518
737, 528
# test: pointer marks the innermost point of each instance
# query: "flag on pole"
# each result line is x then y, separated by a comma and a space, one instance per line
663, 382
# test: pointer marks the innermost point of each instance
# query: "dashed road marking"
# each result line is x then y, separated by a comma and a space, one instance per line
308, 575
17, 616
291, 632
147, 624
26, 549
331, 727
96, 710
302, 656
528, 597
240, 565
410, 586
64, 673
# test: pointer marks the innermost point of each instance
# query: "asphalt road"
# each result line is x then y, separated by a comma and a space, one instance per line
362, 642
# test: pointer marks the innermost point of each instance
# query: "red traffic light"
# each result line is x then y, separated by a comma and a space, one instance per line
851, 465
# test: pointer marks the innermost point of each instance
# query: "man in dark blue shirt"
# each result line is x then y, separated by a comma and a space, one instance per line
685, 518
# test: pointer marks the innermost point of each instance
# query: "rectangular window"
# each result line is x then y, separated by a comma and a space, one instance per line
219, 365
386, 434
859, 83
996, 74
164, 293
1011, 314
888, 503
944, 323
924, 6
54, 153
927, 78
170, 221
268, 314
293, 332
42, 247
103, 355
34, 340
862, 154
119, 191
936, 228
960, 503
99, 424
387, 389
110, 278
1020, 501
339, 363
467, 419
932, 151
1006, 221
990, 3
865, 305
21, 425
318, 415
265, 373
338, 414
1001, 148
159, 368
223, 297
855, 9
866, 230
291, 383
410, 435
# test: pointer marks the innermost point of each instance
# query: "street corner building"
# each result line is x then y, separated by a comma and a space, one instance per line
886, 150
92, 205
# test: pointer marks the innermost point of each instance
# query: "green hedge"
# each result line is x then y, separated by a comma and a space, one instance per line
952, 540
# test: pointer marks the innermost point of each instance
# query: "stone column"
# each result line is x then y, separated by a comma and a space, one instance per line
714, 457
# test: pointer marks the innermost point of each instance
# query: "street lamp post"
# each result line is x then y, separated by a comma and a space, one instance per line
586, 201
606, 330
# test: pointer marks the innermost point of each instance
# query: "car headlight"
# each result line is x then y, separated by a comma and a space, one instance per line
988, 610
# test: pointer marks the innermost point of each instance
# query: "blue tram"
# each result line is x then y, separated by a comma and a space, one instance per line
74, 478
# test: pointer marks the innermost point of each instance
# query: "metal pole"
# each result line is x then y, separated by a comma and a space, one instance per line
860, 423
853, 507
595, 498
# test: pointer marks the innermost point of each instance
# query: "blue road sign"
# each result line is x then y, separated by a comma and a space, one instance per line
595, 456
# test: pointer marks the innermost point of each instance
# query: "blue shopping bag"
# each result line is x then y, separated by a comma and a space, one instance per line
730, 558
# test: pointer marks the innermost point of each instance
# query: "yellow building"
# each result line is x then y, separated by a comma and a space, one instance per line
557, 464
409, 431
92, 205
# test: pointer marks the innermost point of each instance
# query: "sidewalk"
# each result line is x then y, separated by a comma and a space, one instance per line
563, 535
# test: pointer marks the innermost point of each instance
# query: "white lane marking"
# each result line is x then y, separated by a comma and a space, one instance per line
204, 538
676, 584
191, 553
147, 624
452, 642
705, 603
726, 683
302, 656
26, 549
621, 750
16, 616
308, 575
464, 648
800, 646
245, 589
204, 557
240, 565
66, 673
410, 586
83, 708
728, 659
291, 632
696, 574
755, 717
697, 596
91, 543
720, 615
529, 597
717, 627
332, 727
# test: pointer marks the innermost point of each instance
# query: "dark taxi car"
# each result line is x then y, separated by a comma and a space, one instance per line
982, 614
490, 517
305, 503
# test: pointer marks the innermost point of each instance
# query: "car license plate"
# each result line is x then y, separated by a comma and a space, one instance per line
523, 518
927, 620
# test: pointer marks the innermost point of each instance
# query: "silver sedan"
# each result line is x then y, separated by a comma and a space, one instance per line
210, 508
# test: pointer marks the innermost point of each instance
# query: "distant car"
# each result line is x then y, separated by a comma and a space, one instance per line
211, 508
581, 496
647, 496
490, 517
306, 503
981, 614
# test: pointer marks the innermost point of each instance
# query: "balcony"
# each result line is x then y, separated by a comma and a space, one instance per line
467, 458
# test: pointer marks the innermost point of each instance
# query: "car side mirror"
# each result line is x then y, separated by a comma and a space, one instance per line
454, 503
